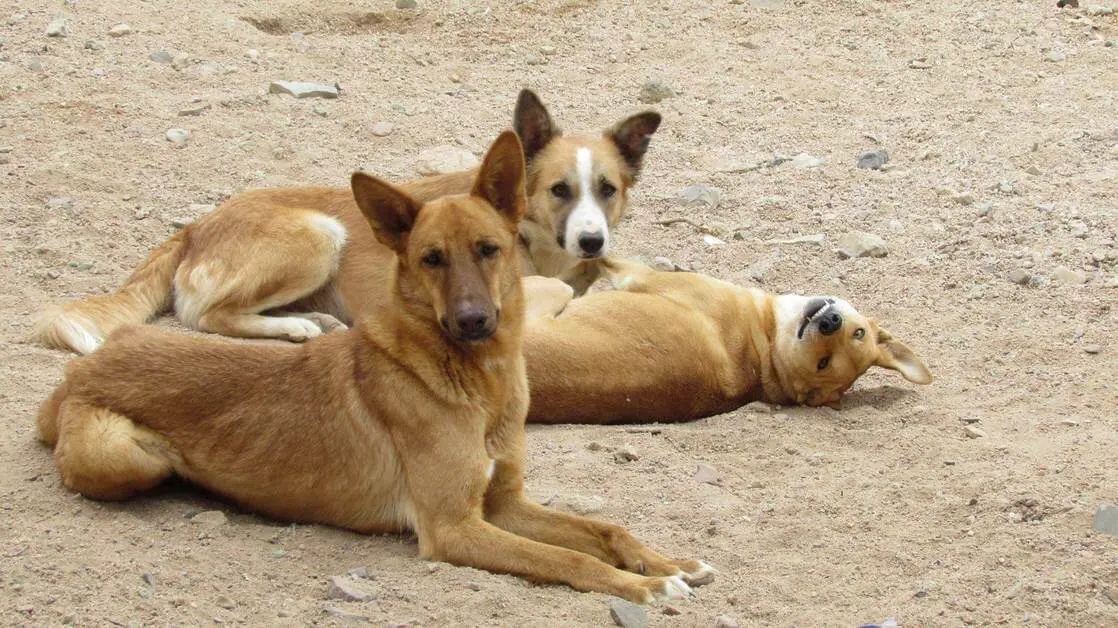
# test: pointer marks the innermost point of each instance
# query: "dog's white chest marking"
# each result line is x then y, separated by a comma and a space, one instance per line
490, 469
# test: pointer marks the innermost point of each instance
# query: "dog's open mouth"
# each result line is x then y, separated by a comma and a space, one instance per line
814, 308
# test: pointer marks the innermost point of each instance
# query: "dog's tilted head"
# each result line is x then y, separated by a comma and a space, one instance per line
823, 345
579, 185
456, 254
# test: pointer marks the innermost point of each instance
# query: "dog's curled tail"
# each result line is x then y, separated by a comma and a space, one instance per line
83, 325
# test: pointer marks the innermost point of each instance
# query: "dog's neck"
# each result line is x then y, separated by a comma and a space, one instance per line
762, 330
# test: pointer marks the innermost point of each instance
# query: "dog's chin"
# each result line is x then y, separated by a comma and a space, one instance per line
475, 338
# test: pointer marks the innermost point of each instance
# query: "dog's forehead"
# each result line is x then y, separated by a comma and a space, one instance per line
458, 216
561, 158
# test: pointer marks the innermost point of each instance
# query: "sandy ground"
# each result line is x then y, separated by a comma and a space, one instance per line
884, 509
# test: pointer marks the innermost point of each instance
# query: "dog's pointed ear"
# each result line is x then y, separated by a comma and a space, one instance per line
894, 354
632, 135
533, 124
389, 211
500, 180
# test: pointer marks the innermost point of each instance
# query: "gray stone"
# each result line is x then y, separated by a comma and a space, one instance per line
1092, 349
535, 60
625, 454
705, 474
149, 579
361, 572
1098, 9
342, 589
710, 240
699, 194
759, 406
279, 552
445, 159
860, 244
873, 159
161, 56
626, 614
120, 30
1070, 277
53, 274
304, 90
178, 137
653, 91
663, 264
1020, 277
1106, 519
407, 5
725, 621
805, 161
383, 129
211, 518
93, 44
58, 28
973, 432
1055, 56
225, 603
196, 110
59, 202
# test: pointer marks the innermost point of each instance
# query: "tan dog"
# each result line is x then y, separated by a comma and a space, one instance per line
412, 419
294, 263
681, 346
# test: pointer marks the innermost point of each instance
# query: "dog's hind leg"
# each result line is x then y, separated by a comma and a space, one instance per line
228, 287
104, 455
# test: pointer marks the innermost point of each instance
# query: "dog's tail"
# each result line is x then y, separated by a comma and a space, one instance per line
47, 421
83, 325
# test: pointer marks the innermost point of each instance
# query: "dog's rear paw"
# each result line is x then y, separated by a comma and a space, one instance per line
696, 572
669, 588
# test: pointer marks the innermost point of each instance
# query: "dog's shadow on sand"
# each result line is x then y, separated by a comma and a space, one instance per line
880, 397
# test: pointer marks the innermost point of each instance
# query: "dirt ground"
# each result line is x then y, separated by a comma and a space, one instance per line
884, 509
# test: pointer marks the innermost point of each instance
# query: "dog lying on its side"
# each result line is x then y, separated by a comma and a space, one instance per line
679, 346
414, 418
293, 263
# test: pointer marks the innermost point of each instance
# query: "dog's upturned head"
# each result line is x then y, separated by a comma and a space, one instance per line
457, 254
823, 345
578, 186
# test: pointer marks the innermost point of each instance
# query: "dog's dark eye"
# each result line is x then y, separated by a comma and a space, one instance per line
608, 189
433, 259
824, 362
859, 333
488, 250
561, 190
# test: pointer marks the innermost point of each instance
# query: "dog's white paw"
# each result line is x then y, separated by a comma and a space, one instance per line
299, 329
703, 575
674, 589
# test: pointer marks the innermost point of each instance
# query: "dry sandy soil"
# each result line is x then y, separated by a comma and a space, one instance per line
883, 509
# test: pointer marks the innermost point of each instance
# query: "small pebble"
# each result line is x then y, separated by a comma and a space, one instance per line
407, 5
383, 129
225, 603
120, 30
625, 454
58, 28
1092, 349
860, 244
211, 518
178, 137
963, 198
705, 474
161, 56
1020, 277
626, 614
653, 91
725, 621
973, 432
873, 159
1055, 56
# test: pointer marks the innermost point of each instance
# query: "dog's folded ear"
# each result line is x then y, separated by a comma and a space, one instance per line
389, 211
632, 135
894, 354
533, 124
500, 180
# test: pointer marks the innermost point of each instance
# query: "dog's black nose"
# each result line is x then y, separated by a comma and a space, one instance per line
592, 243
472, 323
830, 322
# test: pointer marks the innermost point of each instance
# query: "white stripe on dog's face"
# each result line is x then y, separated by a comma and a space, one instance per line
588, 219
